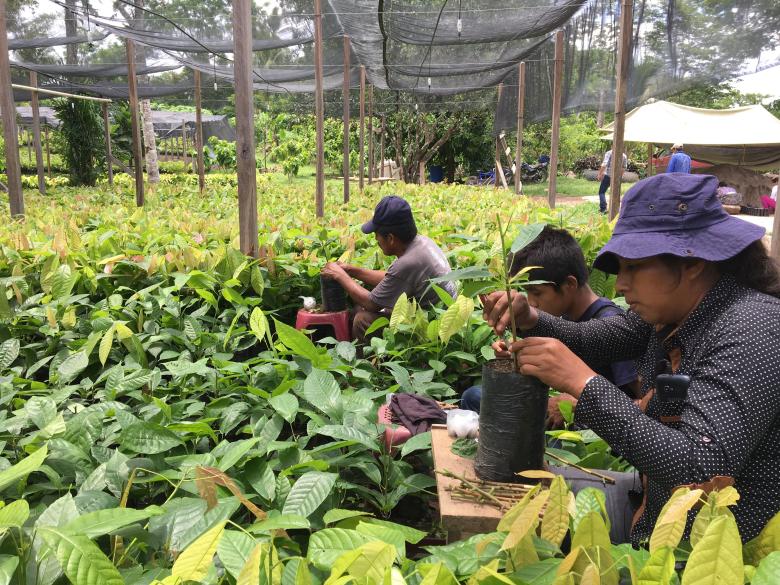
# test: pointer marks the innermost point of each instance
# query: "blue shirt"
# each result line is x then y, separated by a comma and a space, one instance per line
679, 163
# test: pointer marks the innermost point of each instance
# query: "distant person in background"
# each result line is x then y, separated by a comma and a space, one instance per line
728, 195
679, 162
604, 172
770, 201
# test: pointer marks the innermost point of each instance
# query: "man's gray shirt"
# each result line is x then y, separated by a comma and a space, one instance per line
411, 274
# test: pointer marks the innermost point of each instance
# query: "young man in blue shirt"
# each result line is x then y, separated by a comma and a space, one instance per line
568, 295
679, 162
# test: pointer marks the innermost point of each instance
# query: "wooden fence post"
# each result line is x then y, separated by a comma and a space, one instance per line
556, 120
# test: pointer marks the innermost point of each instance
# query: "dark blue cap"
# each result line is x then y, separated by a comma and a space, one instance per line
677, 214
391, 211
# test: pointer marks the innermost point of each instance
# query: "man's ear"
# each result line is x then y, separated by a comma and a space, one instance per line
571, 283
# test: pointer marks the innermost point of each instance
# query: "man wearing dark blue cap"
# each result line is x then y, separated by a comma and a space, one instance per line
419, 260
704, 323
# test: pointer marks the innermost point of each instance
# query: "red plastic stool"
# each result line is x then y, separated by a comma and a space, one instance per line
394, 434
339, 321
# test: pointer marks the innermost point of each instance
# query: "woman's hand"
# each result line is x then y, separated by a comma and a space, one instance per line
553, 363
496, 311
500, 349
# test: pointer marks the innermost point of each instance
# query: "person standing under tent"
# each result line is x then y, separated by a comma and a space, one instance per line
679, 162
604, 177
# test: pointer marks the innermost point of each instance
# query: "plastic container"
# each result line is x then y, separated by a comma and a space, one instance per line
511, 423
334, 297
436, 173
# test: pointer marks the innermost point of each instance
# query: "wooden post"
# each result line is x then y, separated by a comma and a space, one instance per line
132, 85
520, 124
382, 147
245, 130
650, 169
319, 111
36, 129
345, 92
184, 142
556, 119
624, 58
370, 134
362, 136
199, 134
48, 151
497, 168
28, 143
13, 167
107, 139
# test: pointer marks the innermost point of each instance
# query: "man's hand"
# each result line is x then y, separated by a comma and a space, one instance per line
496, 311
334, 271
554, 416
500, 349
601, 173
553, 363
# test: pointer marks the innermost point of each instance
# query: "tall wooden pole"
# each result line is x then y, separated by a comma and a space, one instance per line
13, 167
319, 111
370, 134
650, 170
48, 151
497, 155
624, 59
199, 134
245, 130
520, 124
36, 129
132, 85
362, 137
382, 148
345, 92
556, 119
107, 140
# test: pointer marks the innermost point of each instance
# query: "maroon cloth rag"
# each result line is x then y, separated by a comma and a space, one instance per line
416, 412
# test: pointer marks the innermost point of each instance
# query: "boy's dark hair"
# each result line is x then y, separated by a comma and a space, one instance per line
405, 232
558, 254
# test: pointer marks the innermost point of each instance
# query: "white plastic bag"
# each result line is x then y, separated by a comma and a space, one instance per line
462, 423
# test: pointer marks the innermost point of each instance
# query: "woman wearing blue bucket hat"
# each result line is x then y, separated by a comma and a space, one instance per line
704, 325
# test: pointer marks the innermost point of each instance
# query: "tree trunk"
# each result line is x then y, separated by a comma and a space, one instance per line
152, 166
71, 55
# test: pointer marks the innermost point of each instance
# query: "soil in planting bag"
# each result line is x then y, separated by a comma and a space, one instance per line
334, 297
511, 422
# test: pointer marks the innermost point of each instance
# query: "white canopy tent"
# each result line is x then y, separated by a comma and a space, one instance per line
748, 136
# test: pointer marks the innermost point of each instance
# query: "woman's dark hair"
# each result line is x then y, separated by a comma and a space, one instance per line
405, 232
558, 254
752, 268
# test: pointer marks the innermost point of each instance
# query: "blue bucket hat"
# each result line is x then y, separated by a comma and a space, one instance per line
391, 211
677, 214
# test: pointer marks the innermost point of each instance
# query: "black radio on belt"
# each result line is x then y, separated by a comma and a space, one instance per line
671, 387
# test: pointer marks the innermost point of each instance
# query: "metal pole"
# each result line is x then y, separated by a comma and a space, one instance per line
556, 119
362, 138
199, 134
132, 85
107, 139
36, 129
520, 123
345, 92
13, 167
319, 111
245, 131
626, 26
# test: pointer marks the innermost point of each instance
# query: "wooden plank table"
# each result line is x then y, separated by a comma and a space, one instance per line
460, 519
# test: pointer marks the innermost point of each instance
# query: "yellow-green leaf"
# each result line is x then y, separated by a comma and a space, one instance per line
250, 573
591, 532
555, 522
526, 521
105, 344
194, 562
536, 474
369, 561
81, 559
728, 496
123, 331
591, 575
258, 323
436, 574
671, 521
511, 515
659, 568
766, 542
717, 558
400, 312
22, 469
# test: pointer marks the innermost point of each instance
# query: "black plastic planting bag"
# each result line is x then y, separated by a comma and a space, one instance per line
511, 423
334, 297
